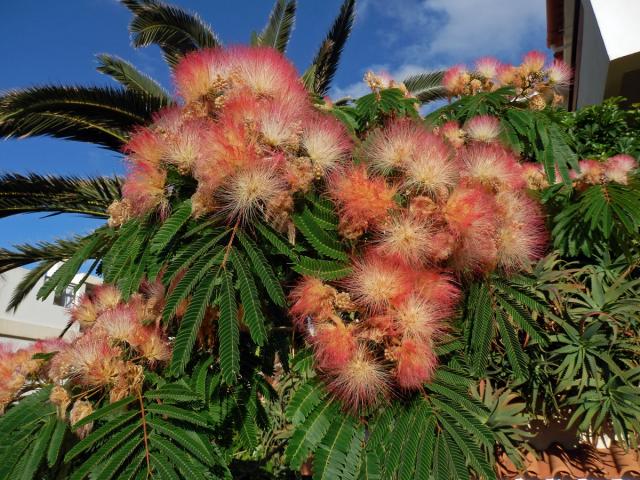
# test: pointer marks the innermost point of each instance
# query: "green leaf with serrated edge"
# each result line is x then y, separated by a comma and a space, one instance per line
103, 412
511, 345
178, 457
228, 334
308, 435
171, 411
252, 311
114, 265
190, 324
331, 455
324, 243
109, 469
63, 276
173, 392
102, 432
304, 400
186, 439
38, 450
171, 226
263, 269
123, 236
56, 442
201, 376
193, 276
274, 238
323, 269
105, 450
163, 467
187, 256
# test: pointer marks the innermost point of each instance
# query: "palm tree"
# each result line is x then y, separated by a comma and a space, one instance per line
106, 115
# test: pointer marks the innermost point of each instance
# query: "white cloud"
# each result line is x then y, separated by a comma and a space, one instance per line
358, 89
460, 29
424, 35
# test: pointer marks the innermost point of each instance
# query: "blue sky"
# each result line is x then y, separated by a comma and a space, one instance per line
44, 42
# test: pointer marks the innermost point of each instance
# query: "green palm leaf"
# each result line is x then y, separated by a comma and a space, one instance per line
319, 75
426, 86
101, 115
131, 78
176, 31
277, 31
47, 193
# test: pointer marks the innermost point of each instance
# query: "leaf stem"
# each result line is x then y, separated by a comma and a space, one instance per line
228, 248
145, 436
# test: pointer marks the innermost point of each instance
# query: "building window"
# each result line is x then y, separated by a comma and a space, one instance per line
66, 297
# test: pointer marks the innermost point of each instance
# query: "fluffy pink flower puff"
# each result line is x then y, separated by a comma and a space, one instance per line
247, 132
468, 215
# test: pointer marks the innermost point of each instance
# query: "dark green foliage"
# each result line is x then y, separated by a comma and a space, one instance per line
601, 131
602, 218
176, 31
131, 78
277, 31
318, 76
426, 87
39, 193
401, 438
102, 115
535, 134
502, 308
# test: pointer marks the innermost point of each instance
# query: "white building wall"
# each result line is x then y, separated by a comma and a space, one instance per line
34, 319
610, 48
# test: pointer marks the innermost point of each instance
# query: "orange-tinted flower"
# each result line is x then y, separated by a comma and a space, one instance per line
406, 239
559, 73
202, 72
417, 318
377, 282
521, 235
326, 142
491, 166
483, 128
361, 197
145, 146
247, 192
390, 148
415, 363
487, 67
311, 298
533, 62
455, 79
144, 187
619, 167
361, 382
431, 170
452, 133
334, 346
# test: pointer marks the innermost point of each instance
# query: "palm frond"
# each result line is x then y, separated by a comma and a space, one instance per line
326, 61
26, 253
426, 86
176, 31
131, 78
46, 254
277, 31
46, 193
28, 283
101, 115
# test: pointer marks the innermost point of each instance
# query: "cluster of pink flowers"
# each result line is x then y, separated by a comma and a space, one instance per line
533, 78
618, 169
19, 370
424, 209
246, 131
117, 338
